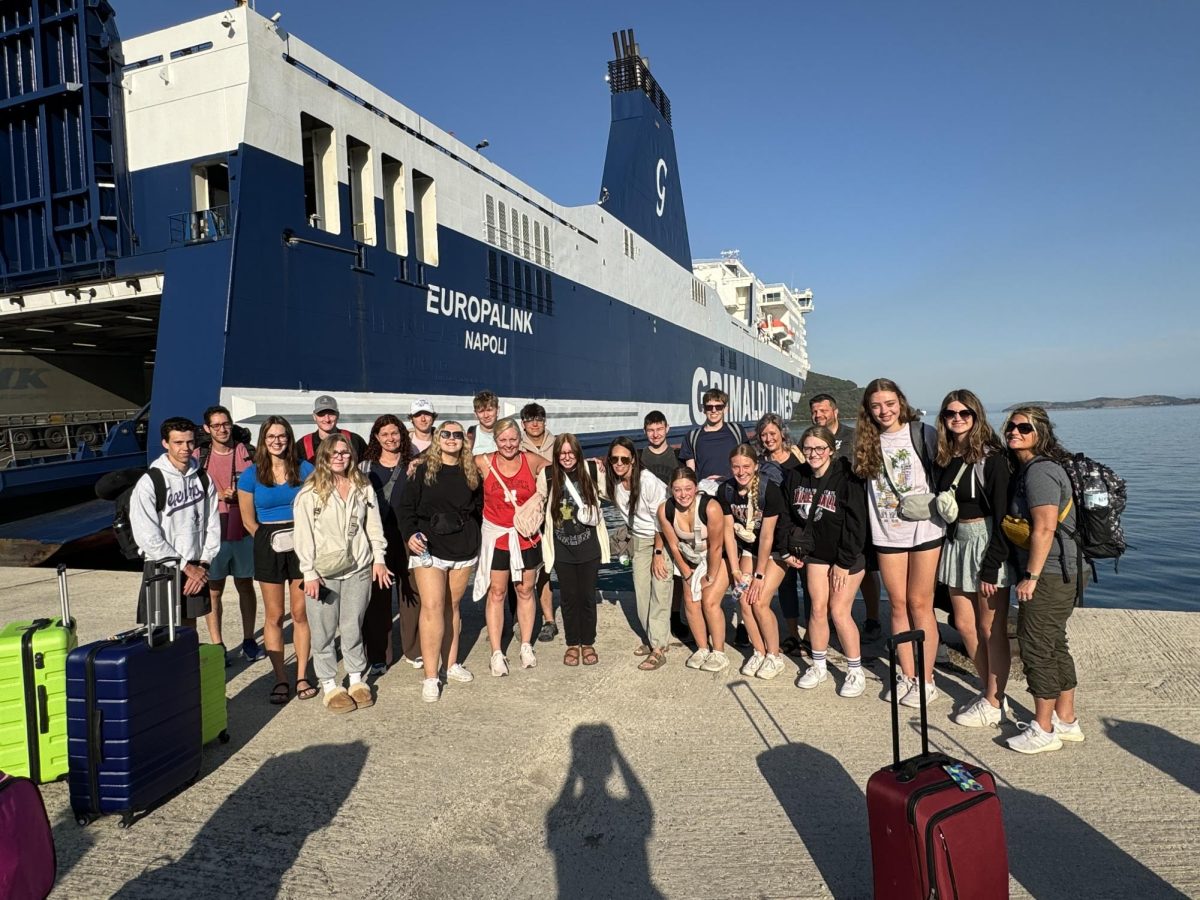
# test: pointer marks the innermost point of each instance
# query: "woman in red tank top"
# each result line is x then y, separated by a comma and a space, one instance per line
509, 480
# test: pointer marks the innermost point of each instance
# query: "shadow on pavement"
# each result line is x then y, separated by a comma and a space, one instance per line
598, 837
255, 836
1167, 752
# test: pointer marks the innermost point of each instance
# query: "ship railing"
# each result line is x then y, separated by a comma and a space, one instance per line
202, 225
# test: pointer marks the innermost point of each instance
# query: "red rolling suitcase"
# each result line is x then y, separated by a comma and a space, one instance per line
936, 828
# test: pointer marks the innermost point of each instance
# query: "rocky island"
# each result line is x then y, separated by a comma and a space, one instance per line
1109, 402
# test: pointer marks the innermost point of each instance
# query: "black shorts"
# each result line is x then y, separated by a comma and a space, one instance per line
271, 567
872, 558
928, 545
532, 558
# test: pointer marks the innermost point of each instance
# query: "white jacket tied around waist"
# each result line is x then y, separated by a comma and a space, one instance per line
188, 527
334, 523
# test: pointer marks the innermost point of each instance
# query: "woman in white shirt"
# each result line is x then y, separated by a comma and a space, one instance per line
638, 494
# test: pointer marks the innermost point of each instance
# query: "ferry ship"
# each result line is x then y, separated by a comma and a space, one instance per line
218, 212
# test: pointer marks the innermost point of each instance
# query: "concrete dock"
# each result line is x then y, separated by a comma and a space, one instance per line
611, 782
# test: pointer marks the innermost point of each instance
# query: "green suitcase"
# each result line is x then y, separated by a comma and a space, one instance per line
214, 713
33, 693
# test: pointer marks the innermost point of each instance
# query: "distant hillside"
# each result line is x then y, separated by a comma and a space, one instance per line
1110, 402
847, 393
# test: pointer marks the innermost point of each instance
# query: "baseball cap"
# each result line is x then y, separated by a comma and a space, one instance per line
421, 406
323, 403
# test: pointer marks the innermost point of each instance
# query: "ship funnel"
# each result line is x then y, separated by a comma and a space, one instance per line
641, 184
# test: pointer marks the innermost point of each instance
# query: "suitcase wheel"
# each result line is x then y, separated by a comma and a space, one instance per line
82, 820
224, 737
126, 820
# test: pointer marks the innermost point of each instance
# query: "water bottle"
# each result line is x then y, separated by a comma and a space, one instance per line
425, 560
624, 560
1095, 491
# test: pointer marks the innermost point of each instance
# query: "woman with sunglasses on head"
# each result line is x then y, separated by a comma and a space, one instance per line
693, 528
340, 547
506, 554
575, 542
1048, 588
775, 445
638, 493
265, 494
752, 506
439, 519
974, 565
386, 463
894, 453
825, 537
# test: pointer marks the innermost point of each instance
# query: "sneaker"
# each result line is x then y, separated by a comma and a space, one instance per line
417, 663
376, 670
903, 686
855, 683
1065, 732
751, 666
716, 661
771, 666
812, 677
431, 691
498, 665
528, 659
548, 633
1033, 740
696, 660
252, 652
979, 714
913, 697
871, 631
458, 672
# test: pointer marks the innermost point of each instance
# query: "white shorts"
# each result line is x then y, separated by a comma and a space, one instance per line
414, 562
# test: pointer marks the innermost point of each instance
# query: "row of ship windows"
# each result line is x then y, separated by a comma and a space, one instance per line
513, 281
509, 229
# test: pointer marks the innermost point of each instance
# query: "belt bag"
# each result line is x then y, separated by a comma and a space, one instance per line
283, 540
585, 515
1018, 530
333, 563
913, 507
946, 502
528, 517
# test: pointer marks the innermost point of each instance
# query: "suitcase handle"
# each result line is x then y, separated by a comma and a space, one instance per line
916, 637
64, 598
43, 710
97, 737
174, 578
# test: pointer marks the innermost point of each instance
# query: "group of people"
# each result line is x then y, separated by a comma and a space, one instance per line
421, 511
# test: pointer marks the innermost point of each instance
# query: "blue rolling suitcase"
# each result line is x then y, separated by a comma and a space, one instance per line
133, 714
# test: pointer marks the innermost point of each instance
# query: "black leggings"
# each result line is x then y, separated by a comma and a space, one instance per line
577, 592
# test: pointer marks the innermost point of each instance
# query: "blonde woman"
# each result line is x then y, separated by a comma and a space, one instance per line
439, 518
340, 547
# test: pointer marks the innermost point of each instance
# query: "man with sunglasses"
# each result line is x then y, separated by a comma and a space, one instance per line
706, 449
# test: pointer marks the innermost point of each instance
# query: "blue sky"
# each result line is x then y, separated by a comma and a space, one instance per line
1004, 197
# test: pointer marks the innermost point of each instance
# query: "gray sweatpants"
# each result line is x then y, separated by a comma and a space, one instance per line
653, 594
341, 605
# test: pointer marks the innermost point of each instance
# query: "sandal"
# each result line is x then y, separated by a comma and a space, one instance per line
305, 693
656, 660
280, 694
571, 657
642, 650
589, 655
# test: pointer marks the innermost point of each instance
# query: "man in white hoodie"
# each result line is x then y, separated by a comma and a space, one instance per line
173, 513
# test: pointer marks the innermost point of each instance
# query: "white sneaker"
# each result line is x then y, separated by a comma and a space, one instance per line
417, 663
753, 664
498, 665
855, 683
979, 714
528, 658
458, 672
716, 661
903, 686
1033, 740
913, 697
430, 690
696, 660
1065, 732
771, 666
814, 676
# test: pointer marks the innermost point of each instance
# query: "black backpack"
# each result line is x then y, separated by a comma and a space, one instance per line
1098, 529
123, 528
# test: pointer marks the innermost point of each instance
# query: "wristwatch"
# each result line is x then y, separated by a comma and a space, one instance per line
1029, 576
759, 576
658, 552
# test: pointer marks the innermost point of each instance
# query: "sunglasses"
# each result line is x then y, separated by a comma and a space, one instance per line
949, 415
713, 407
1022, 427
534, 419
620, 460
451, 435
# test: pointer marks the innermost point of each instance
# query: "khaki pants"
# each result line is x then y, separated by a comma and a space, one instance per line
1042, 634
653, 594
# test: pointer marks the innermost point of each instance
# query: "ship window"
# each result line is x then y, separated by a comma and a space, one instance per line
525, 247
362, 190
516, 232
504, 278
493, 283
395, 206
425, 217
503, 226
537, 243
518, 283
489, 216
320, 174
733, 360
210, 216
722, 357
529, 292
546, 245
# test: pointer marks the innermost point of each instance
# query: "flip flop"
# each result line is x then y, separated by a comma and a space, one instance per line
280, 694
305, 693
656, 660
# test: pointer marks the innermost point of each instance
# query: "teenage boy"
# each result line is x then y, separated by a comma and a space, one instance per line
658, 456
422, 416
706, 449
824, 411
226, 455
326, 415
537, 439
173, 515
479, 435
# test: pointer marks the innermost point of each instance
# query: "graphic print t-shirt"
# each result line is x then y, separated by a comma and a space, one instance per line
573, 542
887, 528
734, 504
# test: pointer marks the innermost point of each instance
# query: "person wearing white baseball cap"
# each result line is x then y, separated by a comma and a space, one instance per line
325, 414
422, 416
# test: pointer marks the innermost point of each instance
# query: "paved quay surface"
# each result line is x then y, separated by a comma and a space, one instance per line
610, 782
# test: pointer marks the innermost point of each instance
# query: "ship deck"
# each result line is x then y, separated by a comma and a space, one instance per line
607, 781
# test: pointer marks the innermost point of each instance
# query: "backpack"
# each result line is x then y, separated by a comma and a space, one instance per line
238, 435
734, 428
123, 528
1098, 529
307, 443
